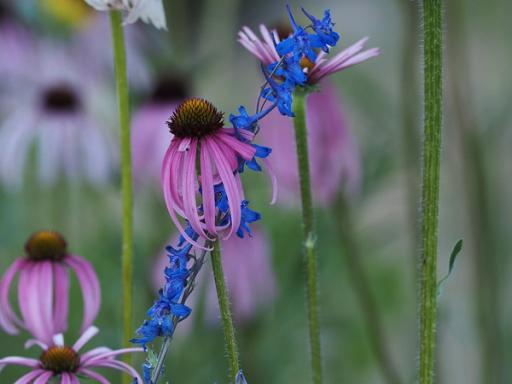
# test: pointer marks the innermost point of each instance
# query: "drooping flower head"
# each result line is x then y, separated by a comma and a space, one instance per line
43, 288
149, 11
205, 159
150, 139
67, 365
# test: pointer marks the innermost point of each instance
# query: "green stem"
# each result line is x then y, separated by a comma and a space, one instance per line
433, 27
225, 313
362, 288
126, 173
309, 234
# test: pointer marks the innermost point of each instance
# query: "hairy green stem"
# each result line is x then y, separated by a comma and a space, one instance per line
126, 175
225, 313
362, 288
433, 37
309, 234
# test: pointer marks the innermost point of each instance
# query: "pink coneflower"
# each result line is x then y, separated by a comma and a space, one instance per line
66, 364
264, 49
334, 155
201, 145
43, 288
249, 275
53, 111
150, 139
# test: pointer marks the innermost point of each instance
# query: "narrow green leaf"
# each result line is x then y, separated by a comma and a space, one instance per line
453, 256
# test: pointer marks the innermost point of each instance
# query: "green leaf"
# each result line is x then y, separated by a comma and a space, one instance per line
455, 252
453, 256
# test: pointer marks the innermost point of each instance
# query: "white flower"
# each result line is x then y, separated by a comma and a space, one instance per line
149, 11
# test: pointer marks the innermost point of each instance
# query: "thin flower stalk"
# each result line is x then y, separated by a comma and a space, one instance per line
225, 313
433, 38
126, 173
309, 233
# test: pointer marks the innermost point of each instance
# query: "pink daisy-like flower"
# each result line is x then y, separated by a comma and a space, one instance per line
43, 288
264, 49
334, 155
200, 145
150, 139
249, 277
64, 363
54, 112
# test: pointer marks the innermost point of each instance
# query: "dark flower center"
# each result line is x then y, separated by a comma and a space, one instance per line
195, 118
60, 359
61, 99
46, 245
169, 88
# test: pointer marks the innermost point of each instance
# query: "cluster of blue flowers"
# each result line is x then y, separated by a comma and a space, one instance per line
282, 78
285, 75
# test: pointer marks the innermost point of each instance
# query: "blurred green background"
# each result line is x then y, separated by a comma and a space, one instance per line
378, 229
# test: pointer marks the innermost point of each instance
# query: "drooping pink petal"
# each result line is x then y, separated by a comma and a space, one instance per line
356, 59
29, 377
255, 46
66, 378
94, 375
170, 174
30, 343
16, 360
208, 190
85, 337
228, 179
90, 287
273, 180
93, 353
189, 190
107, 356
44, 378
61, 300
245, 150
8, 319
46, 295
120, 366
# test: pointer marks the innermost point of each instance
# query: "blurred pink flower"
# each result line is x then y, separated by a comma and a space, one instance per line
150, 133
67, 365
248, 270
53, 109
334, 155
43, 288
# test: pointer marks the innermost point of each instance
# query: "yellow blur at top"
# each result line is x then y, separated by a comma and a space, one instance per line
70, 12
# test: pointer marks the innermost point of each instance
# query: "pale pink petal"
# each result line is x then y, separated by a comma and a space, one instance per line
169, 175
46, 296
15, 360
93, 353
66, 378
208, 190
91, 293
30, 343
58, 340
120, 366
109, 355
8, 319
61, 301
245, 150
29, 377
273, 180
228, 179
44, 378
189, 190
356, 59
86, 336
94, 375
